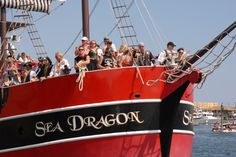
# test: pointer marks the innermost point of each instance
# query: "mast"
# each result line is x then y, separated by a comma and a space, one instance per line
210, 45
3, 39
222, 116
85, 17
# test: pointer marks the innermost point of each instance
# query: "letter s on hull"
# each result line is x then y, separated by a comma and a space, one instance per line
40, 130
187, 119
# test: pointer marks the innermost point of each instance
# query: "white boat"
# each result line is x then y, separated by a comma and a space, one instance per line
197, 113
225, 127
197, 116
208, 117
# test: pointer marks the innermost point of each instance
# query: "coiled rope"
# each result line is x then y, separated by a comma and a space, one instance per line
80, 78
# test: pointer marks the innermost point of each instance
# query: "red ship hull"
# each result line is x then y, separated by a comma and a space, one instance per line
114, 115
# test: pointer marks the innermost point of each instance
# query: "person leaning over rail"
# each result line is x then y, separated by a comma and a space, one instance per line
6, 81
39, 67
46, 68
127, 58
12, 71
109, 43
182, 57
30, 74
168, 56
108, 60
24, 58
81, 60
123, 48
93, 54
85, 44
144, 57
61, 67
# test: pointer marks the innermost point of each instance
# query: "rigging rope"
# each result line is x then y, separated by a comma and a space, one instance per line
54, 9
117, 23
206, 64
77, 36
145, 24
153, 25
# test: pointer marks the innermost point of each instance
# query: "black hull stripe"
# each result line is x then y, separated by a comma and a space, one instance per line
120, 118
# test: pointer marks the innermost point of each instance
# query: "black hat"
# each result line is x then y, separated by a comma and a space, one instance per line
40, 59
28, 64
109, 42
171, 44
106, 38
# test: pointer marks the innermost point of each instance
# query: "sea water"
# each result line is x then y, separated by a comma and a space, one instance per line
212, 144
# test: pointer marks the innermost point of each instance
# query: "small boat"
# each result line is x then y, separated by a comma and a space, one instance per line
208, 117
229, 126
197, 116
225, 127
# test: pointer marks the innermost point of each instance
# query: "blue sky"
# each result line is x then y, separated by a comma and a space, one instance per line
190, 24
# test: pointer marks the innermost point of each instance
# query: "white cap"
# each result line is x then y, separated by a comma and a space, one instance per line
141, 44
84, 38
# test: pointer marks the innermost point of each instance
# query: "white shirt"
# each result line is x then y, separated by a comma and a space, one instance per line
113, 47
23, 60
59, 67
32, 75
11, 49
99, 52
168, 56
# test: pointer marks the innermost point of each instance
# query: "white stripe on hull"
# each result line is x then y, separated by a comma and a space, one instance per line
83, 138
176, 131
87, 106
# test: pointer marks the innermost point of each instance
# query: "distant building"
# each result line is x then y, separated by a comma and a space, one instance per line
229, 111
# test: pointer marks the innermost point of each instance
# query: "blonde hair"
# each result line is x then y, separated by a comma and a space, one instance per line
123, 48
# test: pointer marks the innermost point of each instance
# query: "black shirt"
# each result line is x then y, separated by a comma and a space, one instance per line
107, 61
80, 58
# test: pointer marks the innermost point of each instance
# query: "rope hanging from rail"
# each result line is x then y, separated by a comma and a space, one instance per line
80, 78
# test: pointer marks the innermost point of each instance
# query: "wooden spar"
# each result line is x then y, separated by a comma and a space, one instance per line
3, 38
85, 17
204, 50
209, 46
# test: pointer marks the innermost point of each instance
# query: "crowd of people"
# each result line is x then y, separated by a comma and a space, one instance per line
88, 56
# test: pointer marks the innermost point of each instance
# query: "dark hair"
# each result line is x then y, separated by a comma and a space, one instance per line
171, 44
180, 49
107, 51
126, 52
109, 42
49, 60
